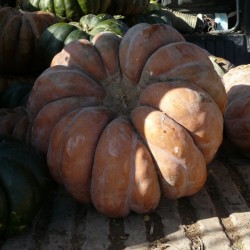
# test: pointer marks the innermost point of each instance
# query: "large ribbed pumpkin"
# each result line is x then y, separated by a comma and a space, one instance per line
123, 119
237, 113
19, 42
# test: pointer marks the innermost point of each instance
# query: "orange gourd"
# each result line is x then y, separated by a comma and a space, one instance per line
19, 43
126, 120
237, 113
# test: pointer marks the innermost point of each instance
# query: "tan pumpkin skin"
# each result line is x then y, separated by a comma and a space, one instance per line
108, 48
139, 44
72, 56
185, 62
50, 114
19, 48
181, 164
146, 147
123, 175
66, 85
237, 113
192, 108
78, 142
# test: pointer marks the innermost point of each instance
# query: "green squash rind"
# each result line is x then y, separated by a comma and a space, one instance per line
4, 208
72, 10
52, 40
75, 35
23, 194
28, 157
90, 21
112, 25
15, 95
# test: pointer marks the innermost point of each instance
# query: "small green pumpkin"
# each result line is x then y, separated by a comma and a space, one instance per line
94, 24
55, 37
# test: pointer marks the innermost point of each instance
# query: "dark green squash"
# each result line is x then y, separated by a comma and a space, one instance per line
27, 156
22, 193
94, 24
16, 94
24, 184
56, 36
3, 211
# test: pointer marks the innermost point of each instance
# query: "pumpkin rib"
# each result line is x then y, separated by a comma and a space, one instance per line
184, 63
69, 57
58, 160
114, 145
25, 45
60, 88
241, 101
51, 113
193, 113
84, 142
133, 54
119, 137
107, 45
19, 48
38, 25
47, 18
183, 155
56, 139
9, 41
144, 199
